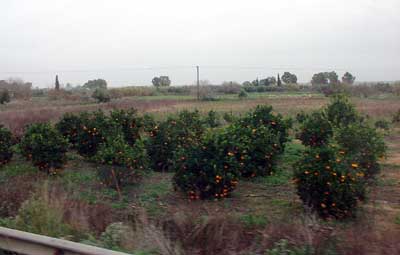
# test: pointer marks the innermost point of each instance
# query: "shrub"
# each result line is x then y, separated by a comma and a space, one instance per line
329, 183
301, 117
242, 94
254, 149
122, 163
212, 119
382, 124
96, 129
172, 134
37, 216
363, 145
4, 96
229, 117
262, 115
315, 130
204, 170
340, 112
69, 126
45, 147
101, 95
6, 142
130, 123
396, 117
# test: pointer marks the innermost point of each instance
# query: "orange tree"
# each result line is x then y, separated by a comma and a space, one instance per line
328, 182
130, 123
315, 129
45, 147
206, 169
69, 126
121, 163
170, 135
263, 115
96, 128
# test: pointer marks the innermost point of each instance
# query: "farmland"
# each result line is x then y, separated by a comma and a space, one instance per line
152, 216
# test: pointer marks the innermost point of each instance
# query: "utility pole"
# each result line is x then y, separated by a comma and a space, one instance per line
198, 83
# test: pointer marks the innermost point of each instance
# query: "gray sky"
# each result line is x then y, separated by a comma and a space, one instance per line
127, 42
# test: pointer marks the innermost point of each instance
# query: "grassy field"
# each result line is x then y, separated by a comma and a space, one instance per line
153, 218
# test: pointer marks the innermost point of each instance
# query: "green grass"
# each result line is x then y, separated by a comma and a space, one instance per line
150, 196
16, 169
253, 221
397, 219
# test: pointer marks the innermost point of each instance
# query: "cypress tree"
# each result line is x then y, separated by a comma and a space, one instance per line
279, 83
57, 83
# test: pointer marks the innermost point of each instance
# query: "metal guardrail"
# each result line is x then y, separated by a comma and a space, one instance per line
31, 244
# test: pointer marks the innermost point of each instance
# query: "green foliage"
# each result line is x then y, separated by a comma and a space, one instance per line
362, 144
328, 182
242, 94
171, 135
4, 96
122, 164
6, 142
162, 81
255, 150
282, 247
96, 129
262, 115
382, 124
340, 112
212, 119
325, 78
206, 169
45, 147
289, 78
95, 84
69, 126
130, 123
229, 117
253, 221
315, 130
101, 95
148, 122
37, 216
396, 117
348, 78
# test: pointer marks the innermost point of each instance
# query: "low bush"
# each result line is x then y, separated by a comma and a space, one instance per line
96, 128
6, 142
382, 124
130, 123
45, 147
396, 117
242, 94
101, 95
37, 216
69, 126
122, 164
328, 182
205, 169
315, 130
171, 135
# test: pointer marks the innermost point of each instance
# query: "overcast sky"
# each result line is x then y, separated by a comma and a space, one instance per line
127, 42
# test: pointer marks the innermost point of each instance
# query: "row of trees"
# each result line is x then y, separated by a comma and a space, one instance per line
331, 78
